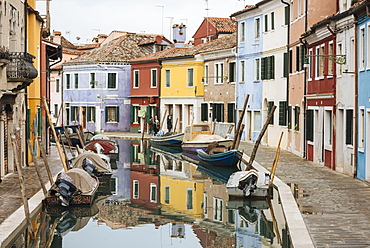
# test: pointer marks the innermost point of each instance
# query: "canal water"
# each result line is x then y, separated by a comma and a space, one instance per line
160, 197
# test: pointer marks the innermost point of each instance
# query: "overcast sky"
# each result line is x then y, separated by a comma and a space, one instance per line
87, 18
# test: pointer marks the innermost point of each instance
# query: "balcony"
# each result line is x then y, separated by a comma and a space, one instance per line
20, 69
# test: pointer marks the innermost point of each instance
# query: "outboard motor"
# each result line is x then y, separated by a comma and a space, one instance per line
89, 166
66, 188
248, 184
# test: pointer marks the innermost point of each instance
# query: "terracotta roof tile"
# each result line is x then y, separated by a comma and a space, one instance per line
223, 25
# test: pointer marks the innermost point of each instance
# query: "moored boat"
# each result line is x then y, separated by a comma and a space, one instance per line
226, 159
251, 183
171, 139
74, 187
72, 134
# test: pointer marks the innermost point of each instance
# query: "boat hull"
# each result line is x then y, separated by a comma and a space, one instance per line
260, 190
172, 140
224, 159
192, 146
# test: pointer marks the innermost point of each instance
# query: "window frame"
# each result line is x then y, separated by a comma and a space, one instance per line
190, 77
219, 73
115, 81
116, 114
68, 81
242, 26
153, 78
257, 28
135, 186
75, 79
167, 78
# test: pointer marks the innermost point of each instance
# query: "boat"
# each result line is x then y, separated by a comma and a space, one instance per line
73, 187
199, 136
72, 134
226, 159
167, 139
95, 164
101, 144
250, 183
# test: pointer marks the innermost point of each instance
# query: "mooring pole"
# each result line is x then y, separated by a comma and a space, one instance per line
240, 121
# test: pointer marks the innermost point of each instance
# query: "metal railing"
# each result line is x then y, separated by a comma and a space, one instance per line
20, 68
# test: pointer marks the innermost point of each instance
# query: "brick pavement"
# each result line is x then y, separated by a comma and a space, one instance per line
334, 206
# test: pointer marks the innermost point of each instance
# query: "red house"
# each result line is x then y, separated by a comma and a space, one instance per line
213, 28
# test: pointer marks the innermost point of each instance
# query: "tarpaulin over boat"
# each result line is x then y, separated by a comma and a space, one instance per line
99, 163
82, 180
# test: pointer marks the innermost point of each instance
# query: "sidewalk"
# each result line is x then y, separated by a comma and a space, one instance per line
334, 206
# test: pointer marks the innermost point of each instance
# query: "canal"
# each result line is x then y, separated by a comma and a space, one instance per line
160, 197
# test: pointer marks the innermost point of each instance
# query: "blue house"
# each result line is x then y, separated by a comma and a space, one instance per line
363, 70
96, 85
249, 53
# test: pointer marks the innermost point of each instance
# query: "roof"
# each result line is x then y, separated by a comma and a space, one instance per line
250, 7
122, 49
222, 25
225, 42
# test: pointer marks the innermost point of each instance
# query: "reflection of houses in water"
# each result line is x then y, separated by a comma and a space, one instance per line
178, 230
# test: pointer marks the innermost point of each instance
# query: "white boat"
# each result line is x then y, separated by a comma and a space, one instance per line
251, 183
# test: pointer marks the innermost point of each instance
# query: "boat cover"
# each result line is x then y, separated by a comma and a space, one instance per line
207, 137
82, 180
100, 164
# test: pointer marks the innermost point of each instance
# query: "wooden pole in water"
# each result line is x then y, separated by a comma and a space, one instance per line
240, 121
37, 167
23, 189
143, 131
214, 126
258, 141
63, 148
79, 151
43, 154
274, 165
239, 137
66, 135
54, 134
81, 137
161, 124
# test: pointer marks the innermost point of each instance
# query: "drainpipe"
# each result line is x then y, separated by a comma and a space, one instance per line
356, 101
288, 54
305, 86
26, 88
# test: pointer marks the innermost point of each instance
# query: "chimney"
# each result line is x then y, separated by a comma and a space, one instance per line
179, 34
56, 38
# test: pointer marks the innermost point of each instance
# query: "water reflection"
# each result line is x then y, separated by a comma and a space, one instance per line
161, 197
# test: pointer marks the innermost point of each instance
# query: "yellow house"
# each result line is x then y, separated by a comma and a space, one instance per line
182, 89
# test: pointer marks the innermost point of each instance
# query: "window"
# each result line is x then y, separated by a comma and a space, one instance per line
309, 124
242, 70
112, 80
257, 24
168, 78
296, 118
90, 115
112, 114
257, 67
76, 81
266, 23
167, 195
219, 71
349, 126
272, 21
190, 77
189, 199
282, 113
300, 55
362, 129
330, 62
68, 81
368, 46
232, 72
317, 60
153, 192
135, 190
362, 48
289, 120
206, 74
68, 112
74, 113
204, 111
269, 108
136, 79
328, 127
154, 78
134, 114
218, 209
242, 32
322, 62
57, 85
56, 110
218, 112
92, 81
231, 112
268, 68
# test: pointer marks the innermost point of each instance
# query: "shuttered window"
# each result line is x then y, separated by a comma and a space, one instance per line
204, 112
112, 80
349, 126
309, 125
231, 112
282, 113
112, 114
270, 105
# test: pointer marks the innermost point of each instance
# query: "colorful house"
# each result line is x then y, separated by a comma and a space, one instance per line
97, 84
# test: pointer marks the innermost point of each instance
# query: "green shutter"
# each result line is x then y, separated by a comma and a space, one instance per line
289, 117
285, 65
131, 153
266, 23
272, 20
263, 68
309, 125
270, 105
88, 114
147, 114
303, 54
117, 114
268, 67
286, 10
106, 114
290, 61
132, 109
282, 113
73, 113
272, 67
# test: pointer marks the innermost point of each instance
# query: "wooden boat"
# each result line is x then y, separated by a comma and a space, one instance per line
251, 183
95, 164
227, 158
74, 187
168, 139
199, 136
101, 144
72, 134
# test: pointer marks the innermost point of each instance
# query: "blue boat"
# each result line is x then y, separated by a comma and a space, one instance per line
225, 159
167, 140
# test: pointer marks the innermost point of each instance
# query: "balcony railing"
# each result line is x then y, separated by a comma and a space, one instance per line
20, 68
